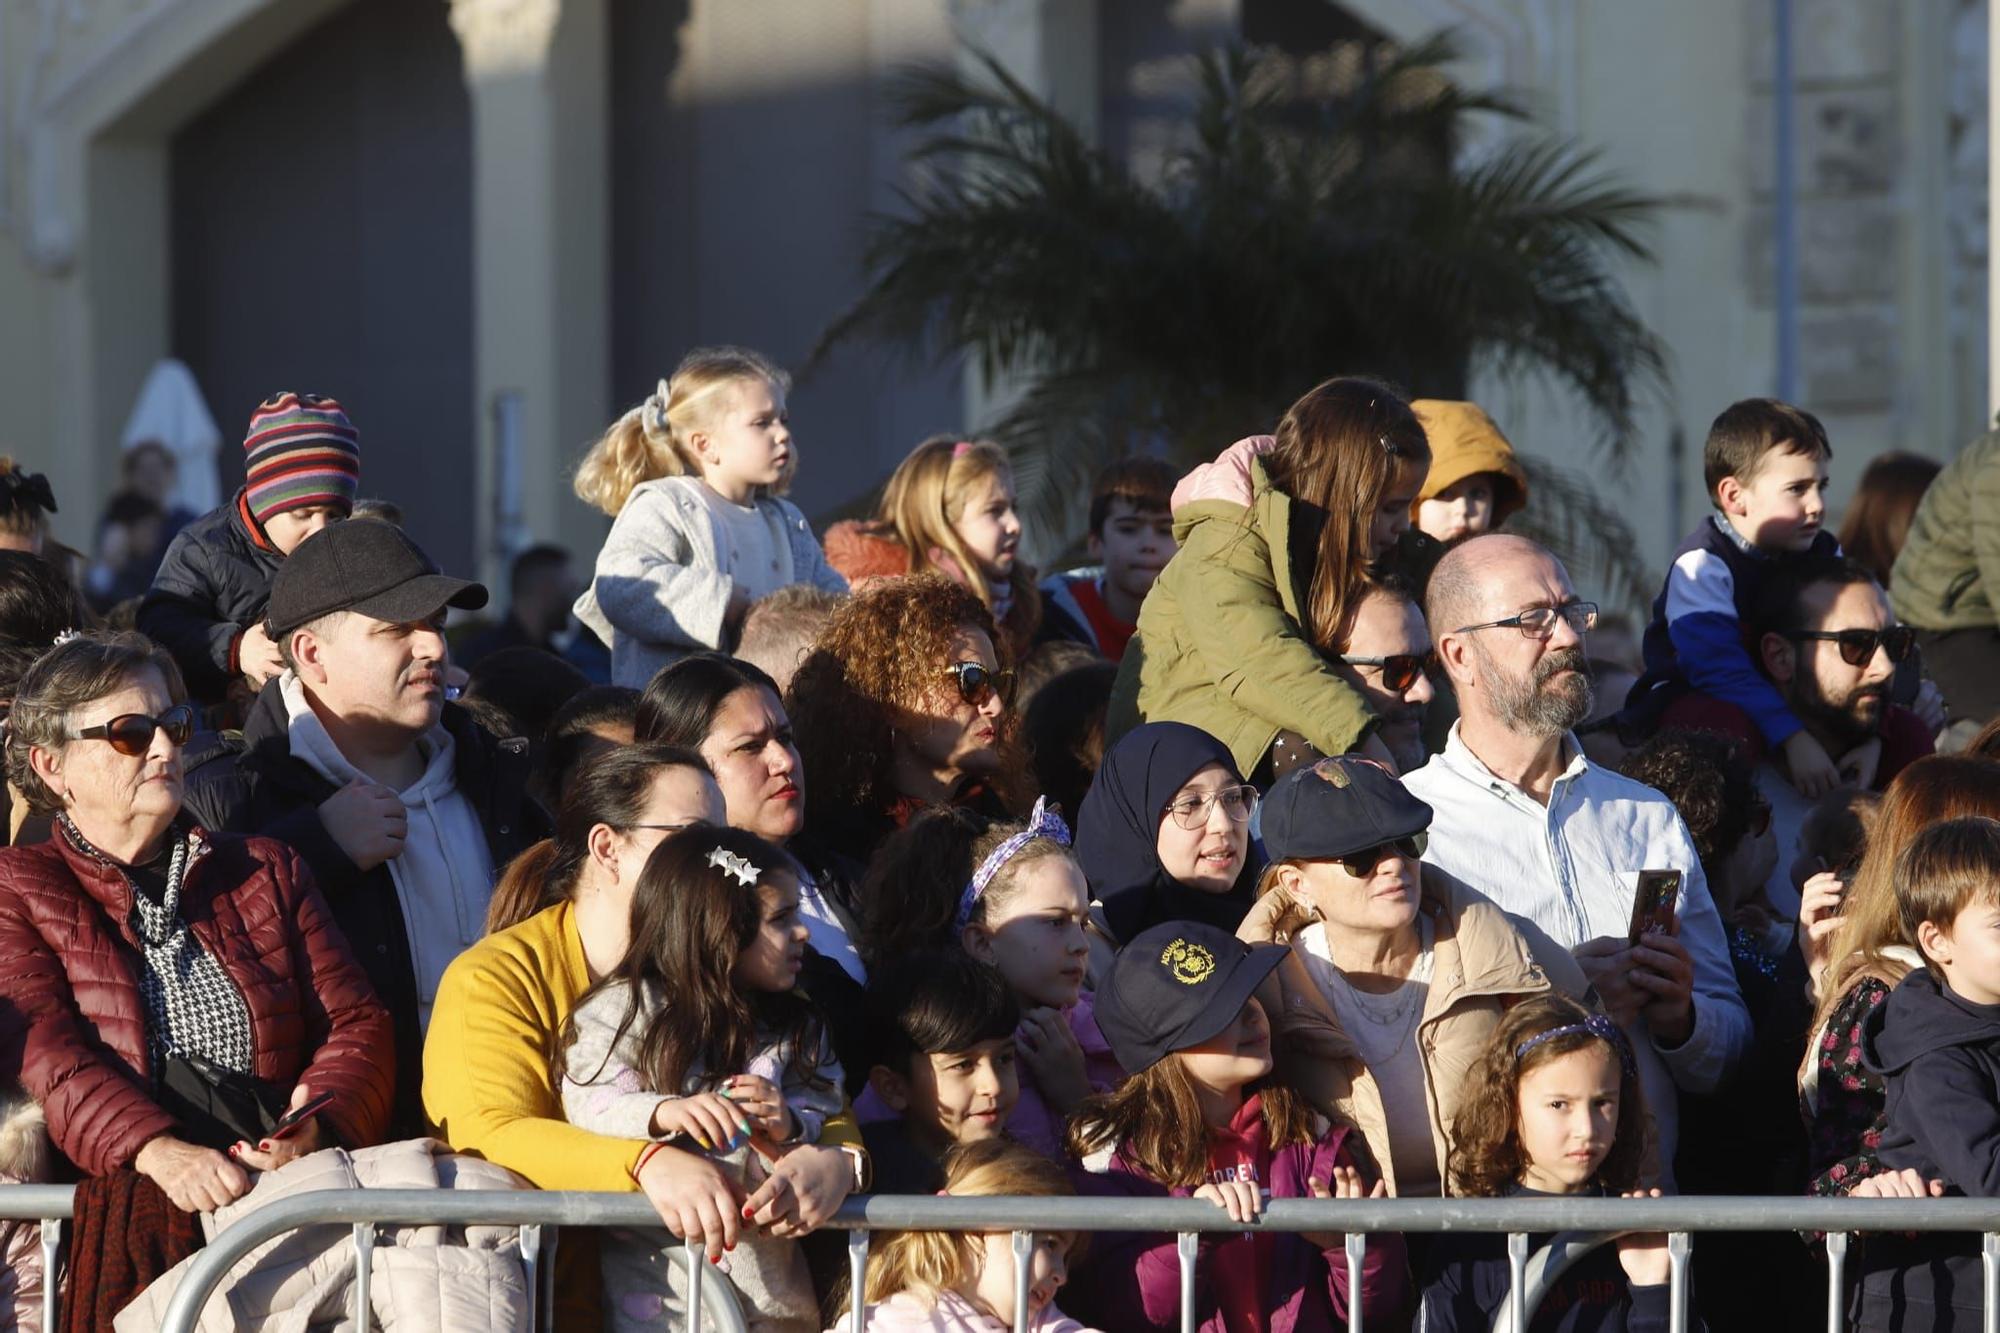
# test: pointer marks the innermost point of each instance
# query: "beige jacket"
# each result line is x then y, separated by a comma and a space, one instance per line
1483, 962
429, 1278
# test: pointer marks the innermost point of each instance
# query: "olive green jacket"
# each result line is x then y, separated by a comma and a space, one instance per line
1221, 644
1948, 575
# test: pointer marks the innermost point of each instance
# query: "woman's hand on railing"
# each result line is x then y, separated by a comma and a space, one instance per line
1643, 1254
197, 1180
694, 1198
806, 1186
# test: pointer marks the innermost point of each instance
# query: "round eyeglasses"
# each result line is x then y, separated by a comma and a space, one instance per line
1191, 811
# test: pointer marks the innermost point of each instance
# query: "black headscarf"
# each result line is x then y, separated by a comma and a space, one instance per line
1118, 831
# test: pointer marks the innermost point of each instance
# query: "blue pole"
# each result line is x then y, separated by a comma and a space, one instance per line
1784, 212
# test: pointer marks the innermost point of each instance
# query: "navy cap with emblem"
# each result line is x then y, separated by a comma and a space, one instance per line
1336, 807
1177, 985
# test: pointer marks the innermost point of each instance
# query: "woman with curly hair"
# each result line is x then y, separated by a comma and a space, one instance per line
905, 702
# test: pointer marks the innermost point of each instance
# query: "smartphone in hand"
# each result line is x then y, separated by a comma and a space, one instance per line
289, 1123
1653, 904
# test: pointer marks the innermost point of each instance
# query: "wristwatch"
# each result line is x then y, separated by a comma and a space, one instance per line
864, 1169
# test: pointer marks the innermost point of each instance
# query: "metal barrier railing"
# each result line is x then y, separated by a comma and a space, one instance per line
1600, 1220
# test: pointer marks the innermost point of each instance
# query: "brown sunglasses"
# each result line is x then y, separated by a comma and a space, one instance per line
132, 733
1399, 670
975, 682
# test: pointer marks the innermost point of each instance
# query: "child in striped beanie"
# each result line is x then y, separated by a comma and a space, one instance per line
302, 465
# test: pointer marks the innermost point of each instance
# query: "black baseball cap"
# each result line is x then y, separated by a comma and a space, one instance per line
372, 568
1176, 985
1337, 806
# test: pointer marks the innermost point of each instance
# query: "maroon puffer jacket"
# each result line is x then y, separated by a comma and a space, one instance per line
73, 1026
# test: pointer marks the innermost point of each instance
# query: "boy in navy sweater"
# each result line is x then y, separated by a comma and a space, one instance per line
1936, 1043
1765, 468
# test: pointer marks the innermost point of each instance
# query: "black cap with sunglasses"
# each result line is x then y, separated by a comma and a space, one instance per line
1339, 808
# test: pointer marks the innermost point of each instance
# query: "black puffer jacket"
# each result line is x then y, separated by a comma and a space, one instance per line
214, 582
249, 782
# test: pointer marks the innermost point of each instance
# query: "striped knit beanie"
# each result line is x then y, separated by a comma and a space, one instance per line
301, 450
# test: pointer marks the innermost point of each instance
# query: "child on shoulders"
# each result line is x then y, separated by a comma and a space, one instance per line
1765, 468
695, 478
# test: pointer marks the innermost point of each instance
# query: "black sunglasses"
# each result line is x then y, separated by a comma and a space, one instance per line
1857, 646
132, 733
1399, 670
975, 682
1364, 861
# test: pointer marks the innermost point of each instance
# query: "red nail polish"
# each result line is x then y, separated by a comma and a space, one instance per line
264, 1146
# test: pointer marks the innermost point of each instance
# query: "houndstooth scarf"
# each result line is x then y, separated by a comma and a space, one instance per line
192, 1007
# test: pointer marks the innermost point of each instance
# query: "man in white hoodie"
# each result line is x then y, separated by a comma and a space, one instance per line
403, 808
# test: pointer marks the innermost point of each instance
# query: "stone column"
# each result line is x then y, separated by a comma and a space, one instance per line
537, 73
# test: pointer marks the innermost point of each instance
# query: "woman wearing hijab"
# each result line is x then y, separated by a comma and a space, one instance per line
1164, 833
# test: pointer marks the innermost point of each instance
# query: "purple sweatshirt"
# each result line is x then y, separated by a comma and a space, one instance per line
1132, 1279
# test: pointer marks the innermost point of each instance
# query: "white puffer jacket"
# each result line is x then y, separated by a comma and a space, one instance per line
448, 1279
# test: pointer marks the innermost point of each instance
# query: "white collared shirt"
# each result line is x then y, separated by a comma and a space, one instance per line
1572, 868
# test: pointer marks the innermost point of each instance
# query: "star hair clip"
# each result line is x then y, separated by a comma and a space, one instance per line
731, 864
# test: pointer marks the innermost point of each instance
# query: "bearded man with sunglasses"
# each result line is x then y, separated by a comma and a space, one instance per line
1523, 817
404, 808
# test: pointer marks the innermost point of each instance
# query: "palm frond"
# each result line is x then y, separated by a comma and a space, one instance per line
1588, 534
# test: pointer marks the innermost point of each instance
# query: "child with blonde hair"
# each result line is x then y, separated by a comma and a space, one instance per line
949, 507
964, 1282
695, 478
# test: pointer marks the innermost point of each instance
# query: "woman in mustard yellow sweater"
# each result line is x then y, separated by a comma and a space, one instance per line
559, 921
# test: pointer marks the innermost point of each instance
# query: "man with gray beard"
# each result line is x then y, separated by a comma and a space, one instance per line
1524, 818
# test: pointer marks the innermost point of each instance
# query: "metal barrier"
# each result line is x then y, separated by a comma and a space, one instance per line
1578, 1224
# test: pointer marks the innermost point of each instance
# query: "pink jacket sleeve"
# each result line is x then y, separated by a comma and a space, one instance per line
1227, 478
1384, 1263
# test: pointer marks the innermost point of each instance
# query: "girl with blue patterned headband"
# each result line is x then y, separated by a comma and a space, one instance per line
1555, 1109
1013, 896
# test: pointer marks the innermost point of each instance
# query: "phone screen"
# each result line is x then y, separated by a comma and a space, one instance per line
1653, 904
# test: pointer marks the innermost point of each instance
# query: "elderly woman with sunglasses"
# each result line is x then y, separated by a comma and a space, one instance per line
904, 703
146, 964
1396, 975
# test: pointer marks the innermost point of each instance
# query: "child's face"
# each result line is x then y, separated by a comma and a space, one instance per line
988, 525
1210, 855
1135, 545
957, 1096
1569, 1118
1782, 505
1462, 509
1969, 952
1036, 935
1238, 1055
1392, 515
288, 529
750, 441
993, 1287
772, 959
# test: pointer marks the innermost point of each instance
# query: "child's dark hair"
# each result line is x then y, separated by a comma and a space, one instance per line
1147, 484
572, 739
1486, 1158
1154, 1119
1711, 783
1064, 729
1946, 867
690, 920
935, 1002
914, 884
1837, 829
1747, 433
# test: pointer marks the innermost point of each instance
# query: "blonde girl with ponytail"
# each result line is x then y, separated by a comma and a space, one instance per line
963, 1281
949, 507
694, 479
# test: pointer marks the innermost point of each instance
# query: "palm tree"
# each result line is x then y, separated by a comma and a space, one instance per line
1310, 225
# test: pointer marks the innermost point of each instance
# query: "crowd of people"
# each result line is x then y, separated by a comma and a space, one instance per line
1284, 850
